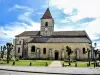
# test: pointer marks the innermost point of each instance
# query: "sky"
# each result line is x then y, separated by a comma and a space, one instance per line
17, 16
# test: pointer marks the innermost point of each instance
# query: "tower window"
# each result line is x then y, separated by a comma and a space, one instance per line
33, 49
46, 24
83, 50
44, 50
19, 50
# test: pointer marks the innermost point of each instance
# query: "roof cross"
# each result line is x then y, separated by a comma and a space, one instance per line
48, 3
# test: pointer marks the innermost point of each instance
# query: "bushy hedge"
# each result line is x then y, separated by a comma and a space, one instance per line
17, 59
4, 59
12, 59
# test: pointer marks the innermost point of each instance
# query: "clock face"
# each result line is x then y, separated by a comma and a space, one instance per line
46, 28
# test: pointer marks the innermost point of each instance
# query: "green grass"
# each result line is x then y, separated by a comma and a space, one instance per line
27, 62
43, 63
79, 64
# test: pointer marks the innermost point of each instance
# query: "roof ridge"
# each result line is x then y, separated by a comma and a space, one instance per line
27, 30
68, 31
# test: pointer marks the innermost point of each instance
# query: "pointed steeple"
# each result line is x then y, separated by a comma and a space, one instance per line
47, 15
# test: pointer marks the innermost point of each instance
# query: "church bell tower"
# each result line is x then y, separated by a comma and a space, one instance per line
47, 24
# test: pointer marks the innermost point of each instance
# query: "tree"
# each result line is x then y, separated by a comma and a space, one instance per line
9, 48
3, 48
1, 51
69, 52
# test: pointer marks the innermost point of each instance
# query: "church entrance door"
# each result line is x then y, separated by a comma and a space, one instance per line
56, 55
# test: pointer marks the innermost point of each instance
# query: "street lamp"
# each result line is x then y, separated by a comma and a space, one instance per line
95, 44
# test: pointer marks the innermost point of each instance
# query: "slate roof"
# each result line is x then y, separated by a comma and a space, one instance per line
29, 33
47, 15
58, 36
57, 33
69, 33
61, 40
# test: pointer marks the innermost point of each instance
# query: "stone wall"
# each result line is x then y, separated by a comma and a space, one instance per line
50, 27
20, 42
54, 46
58, 47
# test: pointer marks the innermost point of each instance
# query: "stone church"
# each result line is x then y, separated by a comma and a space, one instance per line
50, 44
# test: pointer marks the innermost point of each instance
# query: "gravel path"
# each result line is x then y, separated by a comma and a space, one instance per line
55, 64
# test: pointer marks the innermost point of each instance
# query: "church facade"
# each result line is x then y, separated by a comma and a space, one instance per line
50, 44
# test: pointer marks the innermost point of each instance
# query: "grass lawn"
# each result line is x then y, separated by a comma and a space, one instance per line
79, 64
27, 62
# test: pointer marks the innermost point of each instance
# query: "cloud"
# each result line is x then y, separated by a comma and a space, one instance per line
39, 13
93, 29
63, 28
2, 32
77, 15
86, 8
83, 15
17, 28
24, 23
9, 32
73, 12
20, 7
25, 17
85, 20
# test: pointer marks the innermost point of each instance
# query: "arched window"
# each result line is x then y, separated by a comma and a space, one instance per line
44, 50
19, 50
83, 50
46, 24
33, 49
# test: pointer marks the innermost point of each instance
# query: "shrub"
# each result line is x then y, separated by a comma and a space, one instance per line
13, 63
0, 58
12, 59
17, 59
30, 64
74, 60
4, 59
65, 60
46, 64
